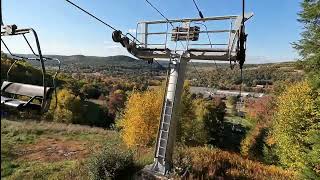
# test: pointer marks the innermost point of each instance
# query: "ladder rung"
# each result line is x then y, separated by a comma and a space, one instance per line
165, 123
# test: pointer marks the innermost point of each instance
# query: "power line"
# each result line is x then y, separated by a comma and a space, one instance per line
209, 39
163, 17
91, 15
113, 28
159, 12
200, 13
173, 26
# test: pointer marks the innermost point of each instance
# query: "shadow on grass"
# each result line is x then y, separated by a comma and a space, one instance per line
231, 136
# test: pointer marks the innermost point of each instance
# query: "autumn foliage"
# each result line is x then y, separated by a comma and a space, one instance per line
141, 118
116, 102
208, 163
260, 112
261, 109
296, 129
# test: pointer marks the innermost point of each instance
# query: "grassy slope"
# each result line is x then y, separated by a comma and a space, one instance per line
32, 150
42, 150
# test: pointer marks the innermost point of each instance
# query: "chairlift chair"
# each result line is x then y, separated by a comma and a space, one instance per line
11, 92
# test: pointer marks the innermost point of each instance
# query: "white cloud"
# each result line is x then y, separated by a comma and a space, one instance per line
132, 31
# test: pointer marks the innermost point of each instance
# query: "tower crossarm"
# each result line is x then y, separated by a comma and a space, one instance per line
161, 44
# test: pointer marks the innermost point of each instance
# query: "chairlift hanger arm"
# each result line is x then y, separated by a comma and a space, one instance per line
16, 32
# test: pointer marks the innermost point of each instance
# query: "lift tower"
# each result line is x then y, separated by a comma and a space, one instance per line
175, 40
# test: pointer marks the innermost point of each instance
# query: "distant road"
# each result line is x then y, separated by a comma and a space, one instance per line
210, 91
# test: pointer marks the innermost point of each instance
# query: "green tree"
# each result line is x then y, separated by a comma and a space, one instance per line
296, 130
213, 120
187, 120
309, 44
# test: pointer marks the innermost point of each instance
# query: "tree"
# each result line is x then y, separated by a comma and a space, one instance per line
140, 121
189, 126
213, 120
261, 109
76, 87
309, 44
91, 90
116, 102
66, 107
296, 129
139, 125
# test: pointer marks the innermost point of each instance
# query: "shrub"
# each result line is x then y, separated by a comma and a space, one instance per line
111, 163
208, 163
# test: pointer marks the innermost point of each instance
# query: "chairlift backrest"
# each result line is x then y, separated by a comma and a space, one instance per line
23, 89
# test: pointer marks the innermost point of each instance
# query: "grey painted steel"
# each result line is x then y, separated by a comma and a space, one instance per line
192, 19
145, 37
168, 123
23, 89
145, 51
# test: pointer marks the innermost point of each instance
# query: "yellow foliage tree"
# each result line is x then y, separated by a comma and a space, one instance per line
141, 118
296, 128
67, 107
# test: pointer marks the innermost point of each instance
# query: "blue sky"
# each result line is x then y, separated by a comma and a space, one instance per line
64, 30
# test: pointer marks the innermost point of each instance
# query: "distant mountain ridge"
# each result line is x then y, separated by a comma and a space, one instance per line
130, 63
97, 61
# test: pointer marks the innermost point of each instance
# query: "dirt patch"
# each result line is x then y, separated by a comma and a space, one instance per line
52, 150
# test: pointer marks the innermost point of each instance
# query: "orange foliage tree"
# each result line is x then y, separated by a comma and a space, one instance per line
261, 109
261, 112
116, 102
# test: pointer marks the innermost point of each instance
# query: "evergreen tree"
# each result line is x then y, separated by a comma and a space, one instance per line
309, 44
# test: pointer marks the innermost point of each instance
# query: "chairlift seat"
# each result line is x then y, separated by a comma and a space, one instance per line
33, 91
